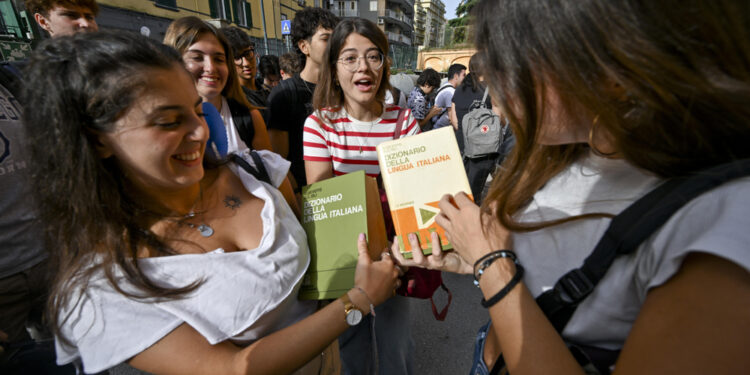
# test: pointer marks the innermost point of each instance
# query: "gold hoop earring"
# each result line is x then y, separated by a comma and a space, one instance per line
596, 151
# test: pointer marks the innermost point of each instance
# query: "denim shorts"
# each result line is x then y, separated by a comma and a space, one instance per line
478, 366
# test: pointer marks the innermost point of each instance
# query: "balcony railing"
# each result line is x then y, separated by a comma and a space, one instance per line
408, 3
398, 37
345, 12
399, 17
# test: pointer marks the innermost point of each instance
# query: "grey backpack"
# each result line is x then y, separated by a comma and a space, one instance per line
482, 129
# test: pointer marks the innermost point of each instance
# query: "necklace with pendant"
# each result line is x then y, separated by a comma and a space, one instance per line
363, 141
204, 229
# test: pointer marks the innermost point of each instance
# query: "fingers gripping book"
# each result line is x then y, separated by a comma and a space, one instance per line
335, 212
417, 171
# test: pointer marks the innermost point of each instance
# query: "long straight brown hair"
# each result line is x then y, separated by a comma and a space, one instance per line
327, 92
183, 32
669, 81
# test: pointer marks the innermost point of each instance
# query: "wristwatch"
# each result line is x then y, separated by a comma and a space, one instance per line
353, 314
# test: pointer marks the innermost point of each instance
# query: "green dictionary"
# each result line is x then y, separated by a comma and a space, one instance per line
334, 213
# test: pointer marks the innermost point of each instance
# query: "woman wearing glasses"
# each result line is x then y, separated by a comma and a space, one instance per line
207, 56
350, 116
340, 136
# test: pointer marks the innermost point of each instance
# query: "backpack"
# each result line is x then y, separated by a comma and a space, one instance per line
624, 235
10, 78
482, 130
396, 95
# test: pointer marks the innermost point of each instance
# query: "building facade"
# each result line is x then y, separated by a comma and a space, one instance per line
18, 30
260, 19
430, 23
394, 17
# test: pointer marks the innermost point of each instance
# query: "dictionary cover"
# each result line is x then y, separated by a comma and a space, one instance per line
335, 212
417, 171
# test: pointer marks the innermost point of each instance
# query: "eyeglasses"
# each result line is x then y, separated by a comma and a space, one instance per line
350, 61
248, 54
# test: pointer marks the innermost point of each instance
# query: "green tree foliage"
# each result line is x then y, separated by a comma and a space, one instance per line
461, 23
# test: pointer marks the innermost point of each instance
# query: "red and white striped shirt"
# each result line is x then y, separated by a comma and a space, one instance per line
332, 135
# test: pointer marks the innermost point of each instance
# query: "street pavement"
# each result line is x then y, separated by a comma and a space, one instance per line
447, 347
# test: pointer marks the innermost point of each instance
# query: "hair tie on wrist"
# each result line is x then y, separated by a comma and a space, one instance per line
506, 289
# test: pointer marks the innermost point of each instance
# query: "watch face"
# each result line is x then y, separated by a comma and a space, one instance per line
354, 317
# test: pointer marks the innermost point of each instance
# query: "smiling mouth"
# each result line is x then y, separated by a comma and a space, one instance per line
190, 156
210, 80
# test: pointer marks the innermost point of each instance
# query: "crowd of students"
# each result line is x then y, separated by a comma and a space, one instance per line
171, 259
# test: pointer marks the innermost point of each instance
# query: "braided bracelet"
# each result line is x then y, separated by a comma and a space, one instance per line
485, 261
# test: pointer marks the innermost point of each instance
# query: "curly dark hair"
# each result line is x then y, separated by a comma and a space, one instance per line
306, 23
289, 63
238, 39
429, 77
80, 86
44, 6
269, 66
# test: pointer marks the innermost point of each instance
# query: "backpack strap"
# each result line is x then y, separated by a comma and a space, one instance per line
445, 109
483, 103
399, 123
627, 231
259, 171
243, 121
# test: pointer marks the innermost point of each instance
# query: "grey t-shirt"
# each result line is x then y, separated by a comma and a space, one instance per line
713, 223
443, 100
21, 239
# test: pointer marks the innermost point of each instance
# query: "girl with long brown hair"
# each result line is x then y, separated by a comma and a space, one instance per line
608, 100
164, 260
208, 57
349, 121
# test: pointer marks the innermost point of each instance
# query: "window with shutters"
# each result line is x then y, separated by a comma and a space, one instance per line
242, 13
169, 4
220, 9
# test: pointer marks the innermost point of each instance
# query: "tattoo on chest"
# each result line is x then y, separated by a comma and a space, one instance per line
232, 202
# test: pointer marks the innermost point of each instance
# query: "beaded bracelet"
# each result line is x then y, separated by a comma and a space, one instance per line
485, 261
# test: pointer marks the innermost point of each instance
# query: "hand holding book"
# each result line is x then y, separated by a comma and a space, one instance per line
378, 279
473, 233
449, 261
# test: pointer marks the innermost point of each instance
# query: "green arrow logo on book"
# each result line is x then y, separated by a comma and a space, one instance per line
425, 215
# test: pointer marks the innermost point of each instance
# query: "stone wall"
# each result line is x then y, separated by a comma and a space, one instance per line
441, 59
